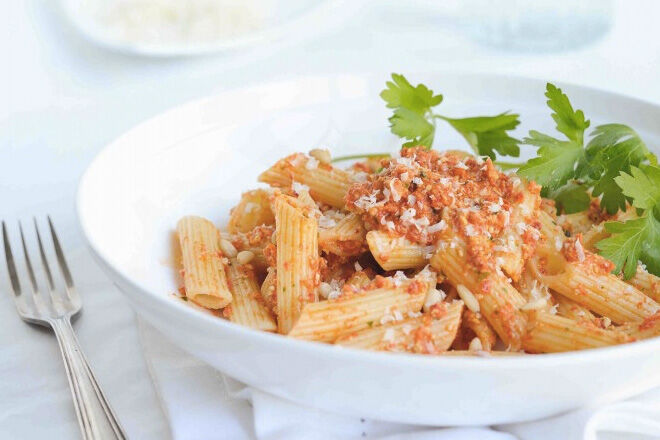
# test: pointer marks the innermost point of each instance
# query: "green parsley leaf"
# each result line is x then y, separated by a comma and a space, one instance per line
400, 93
651, 255
488, 134
412, 126
569, 122
630, 242
612, 197
642, 185
412, 118
555, 163
571, 198
615, 148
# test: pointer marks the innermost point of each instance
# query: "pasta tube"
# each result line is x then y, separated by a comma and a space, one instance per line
346, 238
326, 184
499, 301
269, 289
586, 281
297, 261
602, 293
570, 309
423, 334
648, 283
481, 329
327, 320
394, 253
551, 333
247, 307
253, 210
648, 328
204, 274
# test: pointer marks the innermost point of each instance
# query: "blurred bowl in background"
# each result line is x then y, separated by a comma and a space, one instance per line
194, 27
537, 26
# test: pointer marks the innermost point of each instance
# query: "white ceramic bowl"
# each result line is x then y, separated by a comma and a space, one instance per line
198, 158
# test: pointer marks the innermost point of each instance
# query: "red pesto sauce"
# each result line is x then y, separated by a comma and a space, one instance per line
425, 193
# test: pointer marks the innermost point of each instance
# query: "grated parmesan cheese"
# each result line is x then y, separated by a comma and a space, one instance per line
437, 227
579, 250
434, 296
359, 176
395, 195
399, 277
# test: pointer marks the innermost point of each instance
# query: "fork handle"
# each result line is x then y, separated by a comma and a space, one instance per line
95, 417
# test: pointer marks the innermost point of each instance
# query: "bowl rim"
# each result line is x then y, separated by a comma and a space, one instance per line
319, 349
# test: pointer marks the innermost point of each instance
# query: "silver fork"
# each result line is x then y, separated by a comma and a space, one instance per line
95, 417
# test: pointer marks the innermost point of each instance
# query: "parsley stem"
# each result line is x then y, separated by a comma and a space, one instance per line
360, 156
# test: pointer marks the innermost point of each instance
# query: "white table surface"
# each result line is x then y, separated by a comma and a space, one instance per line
62, 99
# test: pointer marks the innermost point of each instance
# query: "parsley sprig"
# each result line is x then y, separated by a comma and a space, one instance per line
614, 166
569, 171
638, 239
413, 119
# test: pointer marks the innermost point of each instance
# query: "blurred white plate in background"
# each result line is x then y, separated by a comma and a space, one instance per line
194, 27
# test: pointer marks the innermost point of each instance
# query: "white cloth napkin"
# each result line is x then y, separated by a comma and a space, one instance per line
201, 403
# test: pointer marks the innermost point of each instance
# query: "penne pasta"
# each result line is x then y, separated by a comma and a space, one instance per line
648, 283
648, 328
297, 260
481, 329
326, 184
247, 307
551, 334
423, 334
269, 289
394, 253
204, 274
602, 293
491, 269
359, 279
586, 279
577, 223
499, 301
346, 238
253, 210
327, 320
570, 309
255, 241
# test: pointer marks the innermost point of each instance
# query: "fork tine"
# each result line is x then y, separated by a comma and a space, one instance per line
60, 256
44, 261
28, 263
11, 267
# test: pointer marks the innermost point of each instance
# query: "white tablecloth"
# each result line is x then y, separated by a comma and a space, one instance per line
62, 99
